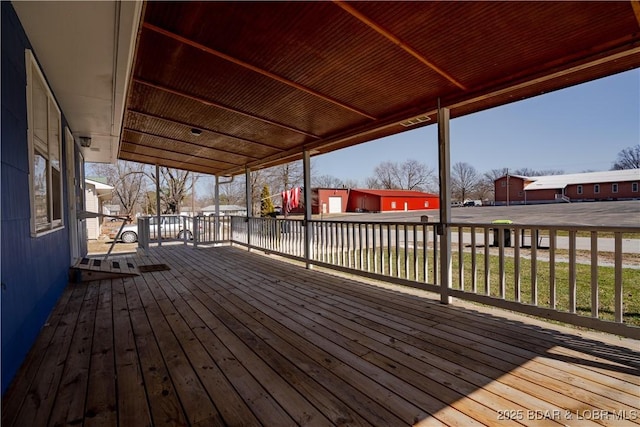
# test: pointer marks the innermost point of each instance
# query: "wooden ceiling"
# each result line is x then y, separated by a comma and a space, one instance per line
262, 81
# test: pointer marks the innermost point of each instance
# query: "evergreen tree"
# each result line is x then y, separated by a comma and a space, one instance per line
266, 204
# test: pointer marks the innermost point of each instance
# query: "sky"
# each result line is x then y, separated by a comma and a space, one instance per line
578, 129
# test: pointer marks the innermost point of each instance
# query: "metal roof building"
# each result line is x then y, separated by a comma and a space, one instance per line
363, 200
562, 181
588, 186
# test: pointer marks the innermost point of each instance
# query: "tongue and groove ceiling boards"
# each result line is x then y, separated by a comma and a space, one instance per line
220, 86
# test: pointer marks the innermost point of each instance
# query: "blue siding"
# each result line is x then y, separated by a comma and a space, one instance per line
34, 270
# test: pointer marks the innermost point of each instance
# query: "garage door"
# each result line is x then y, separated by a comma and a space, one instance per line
335, 204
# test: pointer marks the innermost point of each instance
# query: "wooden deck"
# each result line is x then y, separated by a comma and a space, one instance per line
228, 337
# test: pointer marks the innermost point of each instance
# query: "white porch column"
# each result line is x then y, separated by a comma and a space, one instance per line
444, 167
158, 218
216, 220
249, 199
216, 194
306, 167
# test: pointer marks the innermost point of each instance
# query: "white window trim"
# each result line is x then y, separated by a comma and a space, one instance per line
596, 188
634, 187
579, 189
54, 225
614, 187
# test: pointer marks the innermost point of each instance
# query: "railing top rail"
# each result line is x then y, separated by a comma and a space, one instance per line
324, 221
563, 227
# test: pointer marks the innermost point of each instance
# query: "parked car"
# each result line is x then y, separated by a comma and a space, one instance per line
171, 227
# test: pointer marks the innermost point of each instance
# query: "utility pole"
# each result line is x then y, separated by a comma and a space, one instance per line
507, 186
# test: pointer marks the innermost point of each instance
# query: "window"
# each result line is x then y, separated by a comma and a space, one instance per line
634, 187
393, 205
45, 144
614, 188
596, 188
503, 183
579, 189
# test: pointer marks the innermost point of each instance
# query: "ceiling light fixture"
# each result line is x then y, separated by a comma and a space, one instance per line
414, 121
85, 141
196, 132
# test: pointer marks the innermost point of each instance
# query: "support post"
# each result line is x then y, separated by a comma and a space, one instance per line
444, 167
249, 198
306, 167
158, 217
216, 220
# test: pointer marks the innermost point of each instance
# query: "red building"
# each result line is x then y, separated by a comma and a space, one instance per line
590, 186
364, 200
329, 200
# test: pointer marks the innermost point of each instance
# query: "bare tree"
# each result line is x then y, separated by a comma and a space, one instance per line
286, 176
409, 175
628, 158
387, 174
326, 181
486, 186
415, 175
257, 181
231, 193
128, 181
534, 172
464, 180
372, 182
350, 183
175, 184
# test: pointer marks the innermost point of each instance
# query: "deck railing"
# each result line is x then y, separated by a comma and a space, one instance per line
212, 229
173, 228
586, 276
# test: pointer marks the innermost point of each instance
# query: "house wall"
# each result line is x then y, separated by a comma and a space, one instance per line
517, 194
542, 195
34, 269
92, 201
321, 195
625, 191
358, 200
374, 203
515, 187
413, 203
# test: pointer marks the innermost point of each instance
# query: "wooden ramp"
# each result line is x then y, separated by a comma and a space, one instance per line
88, 269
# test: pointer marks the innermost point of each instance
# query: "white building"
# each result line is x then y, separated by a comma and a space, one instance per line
95, 194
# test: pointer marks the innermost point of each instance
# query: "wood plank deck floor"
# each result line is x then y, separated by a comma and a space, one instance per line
228, 337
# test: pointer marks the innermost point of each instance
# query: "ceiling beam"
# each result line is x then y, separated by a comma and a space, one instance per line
191, 125
255, 69
221, 106
532, 80
190, 155
393, 38
635, 5
152, 160
204, 147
